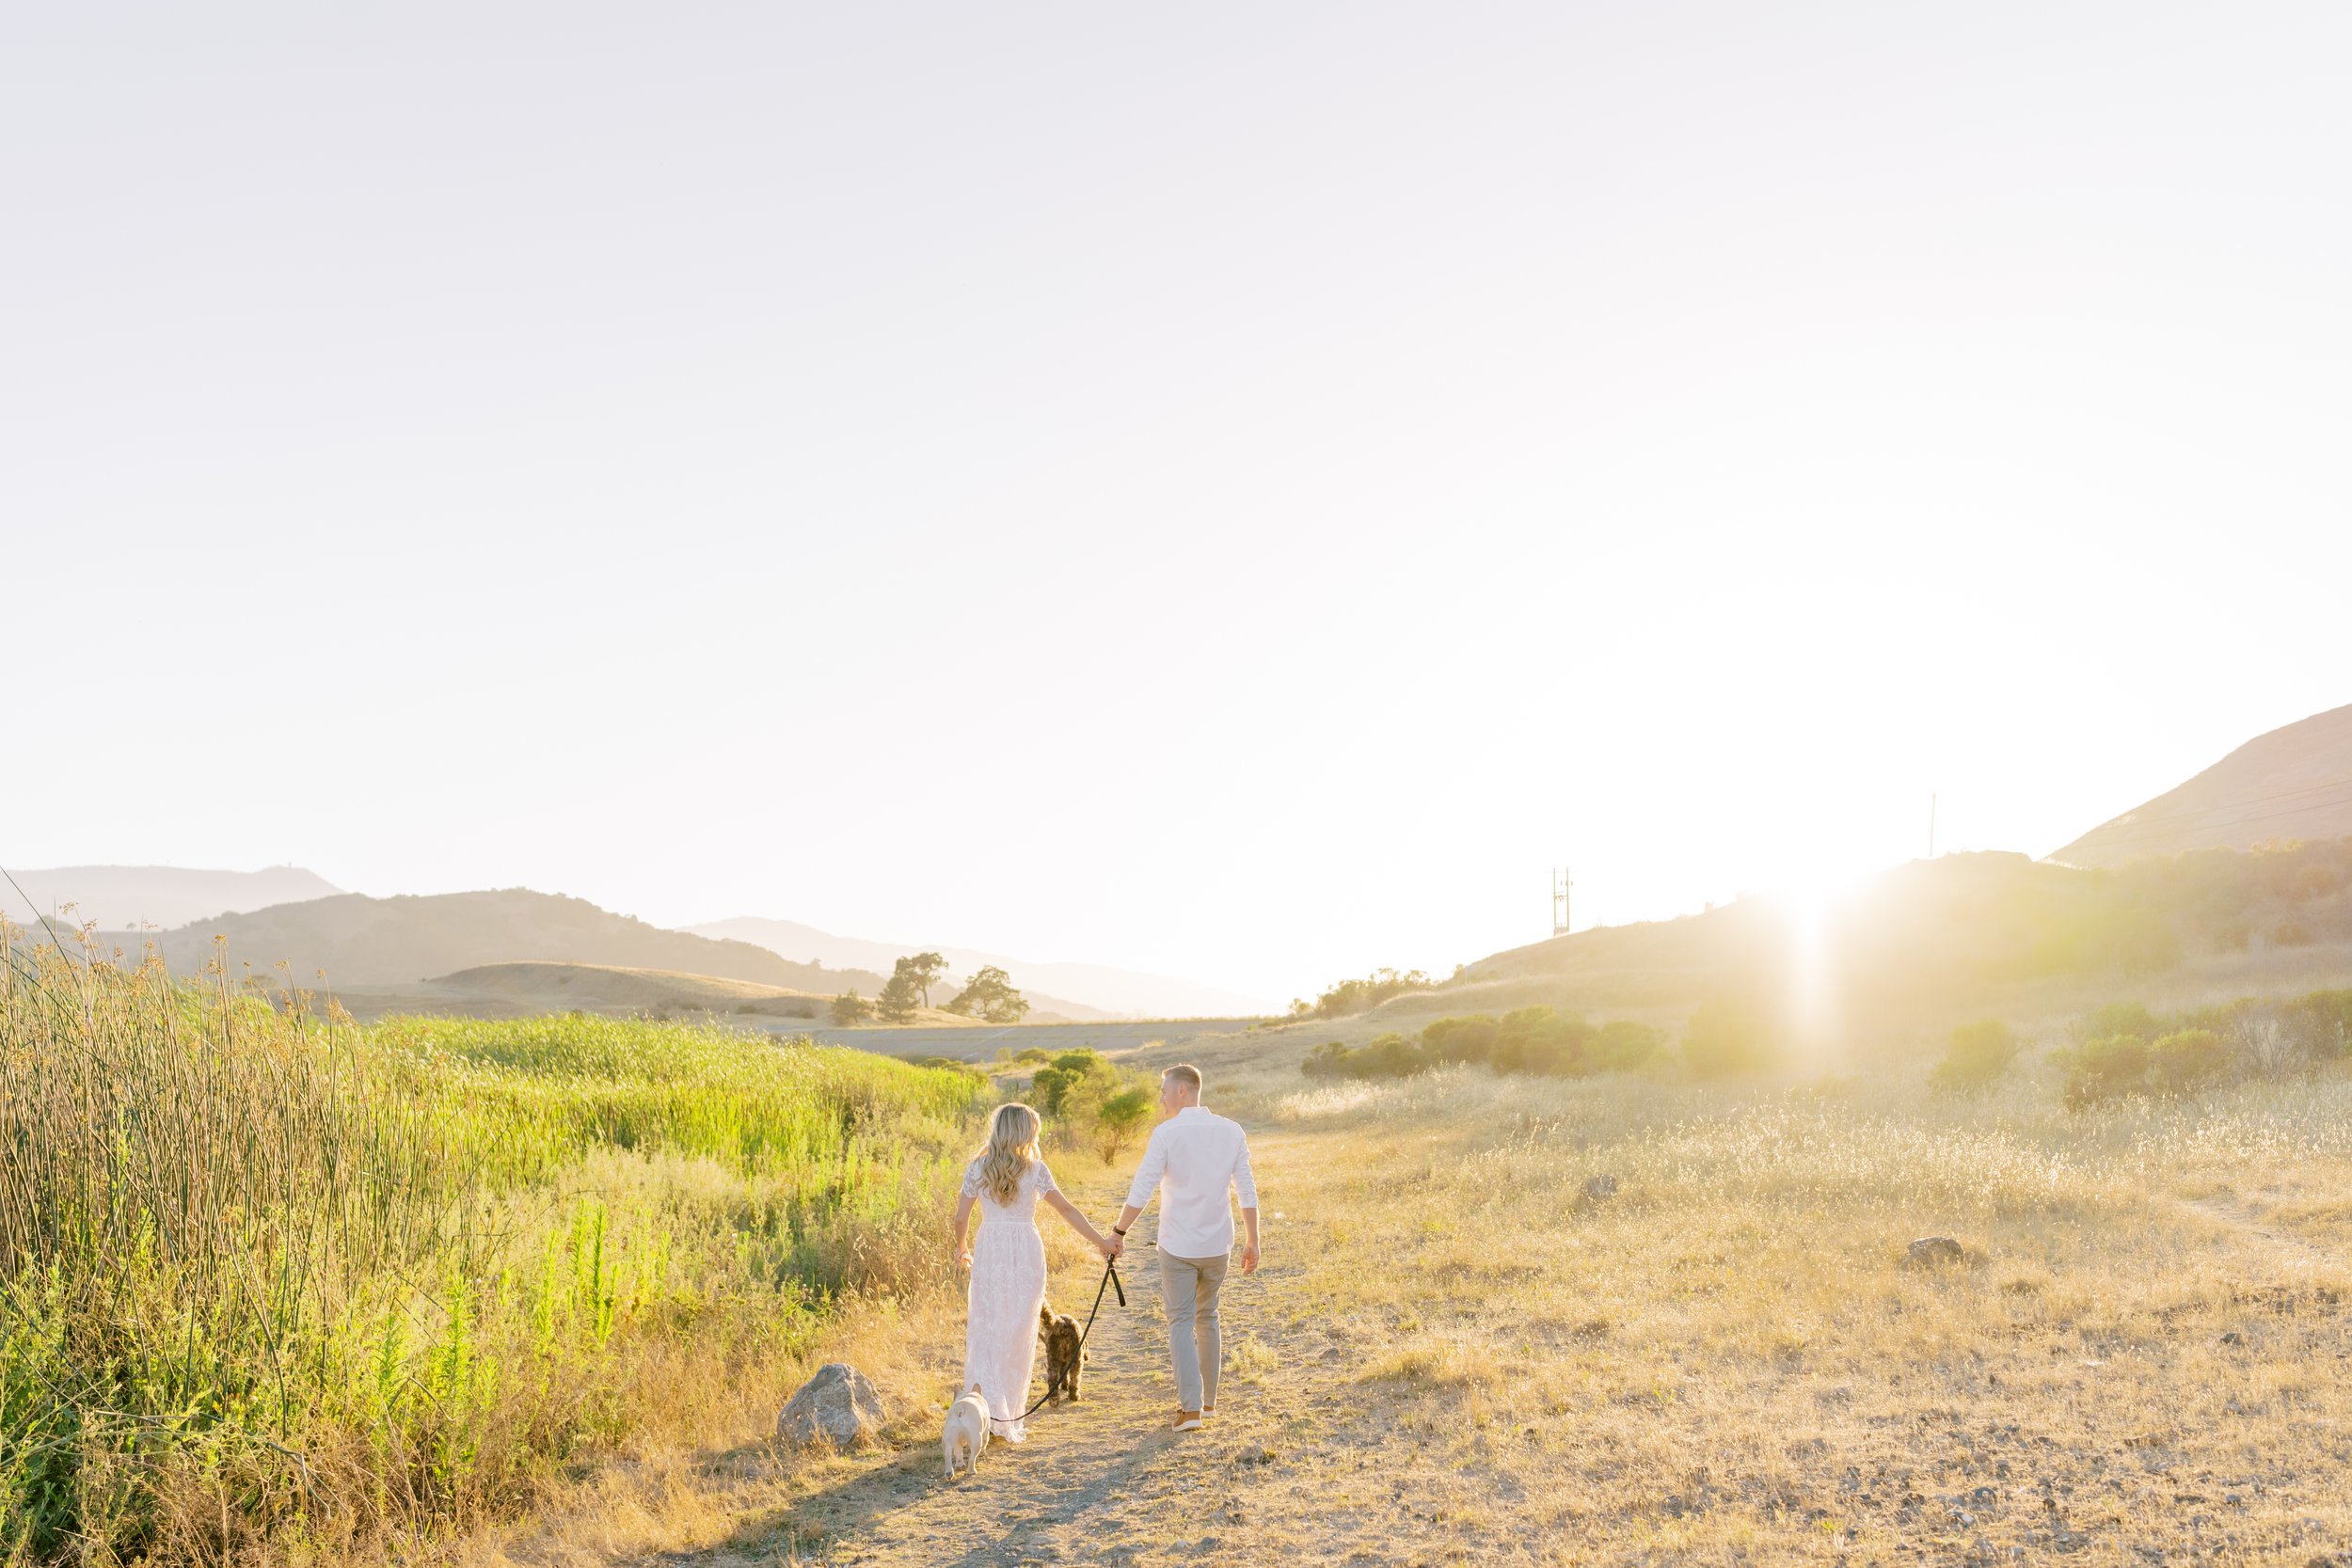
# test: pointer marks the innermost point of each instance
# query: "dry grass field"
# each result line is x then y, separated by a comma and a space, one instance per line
1454, 1354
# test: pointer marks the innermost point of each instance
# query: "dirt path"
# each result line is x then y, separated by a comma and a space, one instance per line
2247, 1225
1442, 1362
1105, 1481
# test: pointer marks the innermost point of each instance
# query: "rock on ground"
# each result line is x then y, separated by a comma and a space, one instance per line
839, 1406
1929, 1250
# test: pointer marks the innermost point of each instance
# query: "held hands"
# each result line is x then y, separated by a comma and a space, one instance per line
1111, 1247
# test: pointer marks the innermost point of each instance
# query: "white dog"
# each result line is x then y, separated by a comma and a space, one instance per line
967, 1432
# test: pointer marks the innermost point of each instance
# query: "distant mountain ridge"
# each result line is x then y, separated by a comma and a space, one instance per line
2294, 783
363, 943
1076, 989
122, 897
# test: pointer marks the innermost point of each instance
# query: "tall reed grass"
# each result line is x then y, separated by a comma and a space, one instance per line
266, 1276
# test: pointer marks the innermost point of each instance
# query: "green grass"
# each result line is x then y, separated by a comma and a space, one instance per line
267, 1277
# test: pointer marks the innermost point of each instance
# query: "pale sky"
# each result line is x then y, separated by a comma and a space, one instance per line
1237, 491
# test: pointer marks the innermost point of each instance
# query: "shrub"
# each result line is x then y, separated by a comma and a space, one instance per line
1461, 1039
1537, 1039
1531, 1039
2103, 1069
2127, 1049
1356, 996
1976, 1054
1622, 1045
2187, 1059
2321, 1021
2118, 1017
1060, 1081
1327, 1060
1033, 1054
1391, 1055
850, 1009
1119, 1119
1726, 1038
1090, 1101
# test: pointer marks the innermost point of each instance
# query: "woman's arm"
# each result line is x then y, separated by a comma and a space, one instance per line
956, 1245
1079, 1223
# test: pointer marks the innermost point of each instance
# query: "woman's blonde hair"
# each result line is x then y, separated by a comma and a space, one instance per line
1011, 1149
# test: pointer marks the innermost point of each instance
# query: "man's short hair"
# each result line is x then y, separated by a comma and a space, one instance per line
1184, 1072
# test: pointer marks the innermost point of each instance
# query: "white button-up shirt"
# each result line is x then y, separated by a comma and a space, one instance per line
1195, 1157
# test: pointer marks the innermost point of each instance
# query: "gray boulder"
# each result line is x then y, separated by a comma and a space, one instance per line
1928, 1251
839, 1406
1599, 1189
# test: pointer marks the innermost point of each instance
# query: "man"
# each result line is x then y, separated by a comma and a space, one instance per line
1195, 1157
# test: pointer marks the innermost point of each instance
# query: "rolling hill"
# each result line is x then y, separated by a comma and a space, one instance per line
2240, 877
539, 987
376, 944
1084, 991
1933, 939
2292, 784
521, 989
123, 897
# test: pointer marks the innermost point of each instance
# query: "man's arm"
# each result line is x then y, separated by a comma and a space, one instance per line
1245, 1188
1147, 1179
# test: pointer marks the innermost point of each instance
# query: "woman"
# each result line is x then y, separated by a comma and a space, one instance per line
1008, 1264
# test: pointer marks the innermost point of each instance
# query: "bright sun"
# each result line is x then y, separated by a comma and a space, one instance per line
1814, 897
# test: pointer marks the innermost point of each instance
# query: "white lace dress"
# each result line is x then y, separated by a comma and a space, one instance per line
1008, 1288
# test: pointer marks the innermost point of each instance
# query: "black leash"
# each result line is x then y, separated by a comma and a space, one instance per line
1110, 1281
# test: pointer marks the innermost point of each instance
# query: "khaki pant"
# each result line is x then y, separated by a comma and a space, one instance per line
1188, 1288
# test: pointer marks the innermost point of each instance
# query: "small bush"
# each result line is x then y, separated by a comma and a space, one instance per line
1976, 1054
2126, 1050
1059, 1081
1327, 1060
2185, 1060
1622, 1045
1531, 1039
2321, 1023
1119, 1119
1537, 1039
1461, 1039
2098, 1071
2116, 1019
1391, 1055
